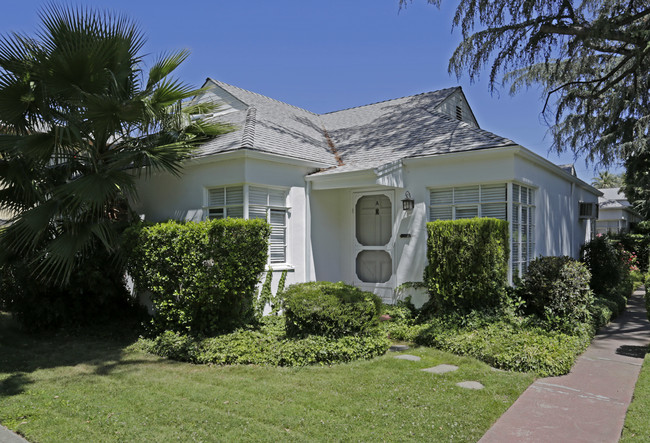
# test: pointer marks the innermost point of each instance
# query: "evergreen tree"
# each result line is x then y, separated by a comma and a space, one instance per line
590, 58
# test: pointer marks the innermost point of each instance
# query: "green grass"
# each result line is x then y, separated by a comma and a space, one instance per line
637, 426
90, 387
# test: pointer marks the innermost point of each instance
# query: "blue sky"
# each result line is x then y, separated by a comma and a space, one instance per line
320, 55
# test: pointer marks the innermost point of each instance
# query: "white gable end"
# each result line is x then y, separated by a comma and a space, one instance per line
456, 106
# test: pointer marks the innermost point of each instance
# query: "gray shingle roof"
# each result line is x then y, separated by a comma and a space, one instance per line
364, 137
613, 198
279, 128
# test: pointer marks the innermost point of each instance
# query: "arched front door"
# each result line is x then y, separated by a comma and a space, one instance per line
373, 239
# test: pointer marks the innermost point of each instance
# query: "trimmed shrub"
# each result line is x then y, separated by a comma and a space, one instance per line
557, 290
605, 264
201, 276
468, 264
330, 309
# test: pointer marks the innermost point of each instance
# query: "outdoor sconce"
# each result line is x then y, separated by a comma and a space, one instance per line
407, 202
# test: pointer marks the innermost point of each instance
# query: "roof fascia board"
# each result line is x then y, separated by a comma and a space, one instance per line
555, 169
257, 155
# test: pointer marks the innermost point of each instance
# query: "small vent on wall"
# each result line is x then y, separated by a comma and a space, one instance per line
459, 113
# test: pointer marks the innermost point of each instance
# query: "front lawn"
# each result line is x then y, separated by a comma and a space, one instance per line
637, 427
89, 387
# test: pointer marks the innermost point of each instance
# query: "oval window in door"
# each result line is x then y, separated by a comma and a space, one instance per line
373, 220
374, 266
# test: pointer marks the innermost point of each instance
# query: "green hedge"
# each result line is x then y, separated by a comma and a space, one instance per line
201, 276
330, 309
556, 289
468, 264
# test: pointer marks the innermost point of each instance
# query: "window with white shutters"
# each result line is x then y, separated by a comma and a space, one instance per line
468, 202
523, 228
264, 203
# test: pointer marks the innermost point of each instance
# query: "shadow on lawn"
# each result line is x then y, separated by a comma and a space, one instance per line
101, 347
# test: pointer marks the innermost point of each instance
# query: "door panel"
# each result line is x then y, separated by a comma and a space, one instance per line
373, 239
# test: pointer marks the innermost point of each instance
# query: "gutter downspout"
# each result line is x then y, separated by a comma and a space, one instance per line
308, 254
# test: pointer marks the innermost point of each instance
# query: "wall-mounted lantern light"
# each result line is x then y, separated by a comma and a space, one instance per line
407, 202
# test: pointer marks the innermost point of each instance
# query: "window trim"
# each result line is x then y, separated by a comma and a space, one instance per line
246, 205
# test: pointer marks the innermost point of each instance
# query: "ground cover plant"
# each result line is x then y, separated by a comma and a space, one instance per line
323, 323
93, 387
266, 344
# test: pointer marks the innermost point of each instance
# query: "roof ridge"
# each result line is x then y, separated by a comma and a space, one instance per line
248, 138
262, 95
390, 100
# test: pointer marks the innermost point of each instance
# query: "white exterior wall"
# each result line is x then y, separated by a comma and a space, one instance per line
321, 222
557, 228
164, 197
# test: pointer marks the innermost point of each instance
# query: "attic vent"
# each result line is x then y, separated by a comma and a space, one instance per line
459, 113
588, 210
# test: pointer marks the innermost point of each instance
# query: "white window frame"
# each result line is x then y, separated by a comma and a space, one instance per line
525, 231
479, 204
268, 207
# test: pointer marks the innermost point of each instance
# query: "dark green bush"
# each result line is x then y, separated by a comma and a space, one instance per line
605, 264
201, 276
96, 293
468, 264
557, 290
267, 346
330, 309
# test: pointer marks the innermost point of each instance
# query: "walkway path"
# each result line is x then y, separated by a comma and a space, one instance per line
6, 436
589, 403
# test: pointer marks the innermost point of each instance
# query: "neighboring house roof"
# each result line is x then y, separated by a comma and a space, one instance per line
613, 198
352, 139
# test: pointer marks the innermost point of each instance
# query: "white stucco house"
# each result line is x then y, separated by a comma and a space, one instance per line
332, 185
616, 215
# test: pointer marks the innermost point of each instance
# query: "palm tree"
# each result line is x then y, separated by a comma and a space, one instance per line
607, 180
79, 124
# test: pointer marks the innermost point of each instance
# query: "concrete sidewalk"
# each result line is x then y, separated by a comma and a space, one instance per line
589, 403
6, 436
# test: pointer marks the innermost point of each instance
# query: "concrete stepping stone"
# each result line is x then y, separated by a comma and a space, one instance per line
408, 357
441, 369
470, 385
398, 348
